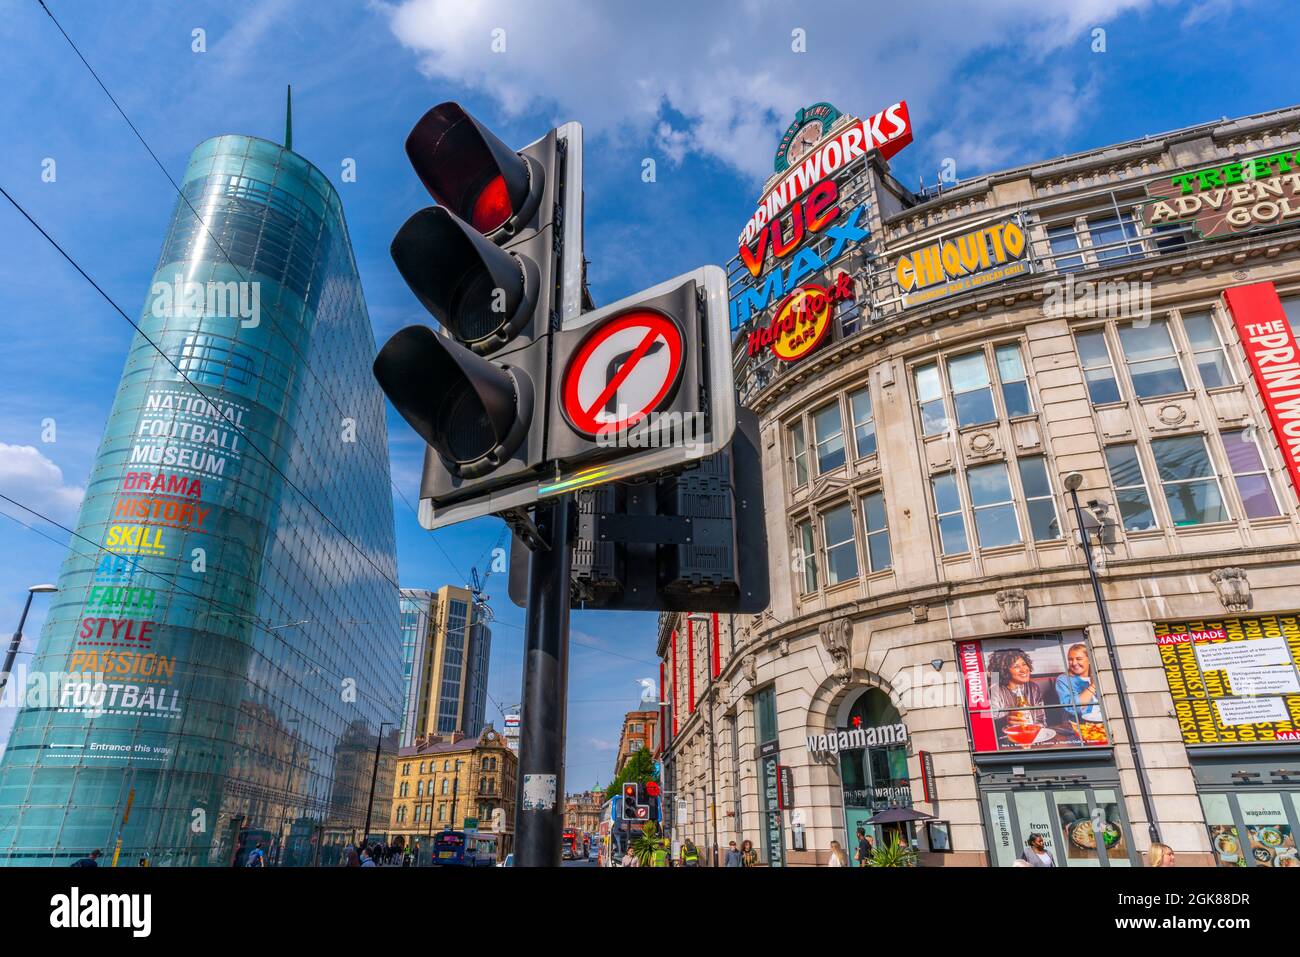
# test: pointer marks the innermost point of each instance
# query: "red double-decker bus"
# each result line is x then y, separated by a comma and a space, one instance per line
571, 845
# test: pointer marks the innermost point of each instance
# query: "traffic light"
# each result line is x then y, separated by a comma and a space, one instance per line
498, 264
630, 802
521, 394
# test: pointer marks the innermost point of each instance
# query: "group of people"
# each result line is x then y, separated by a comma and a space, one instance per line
1020, 700
379, 854
861, 854
1036, 854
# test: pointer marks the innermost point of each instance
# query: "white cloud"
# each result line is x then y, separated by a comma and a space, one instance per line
722, 82
29, 477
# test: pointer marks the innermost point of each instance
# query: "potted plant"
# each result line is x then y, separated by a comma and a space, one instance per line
894, 853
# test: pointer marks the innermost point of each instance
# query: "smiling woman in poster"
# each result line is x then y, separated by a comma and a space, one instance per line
1076, 688
1015, 694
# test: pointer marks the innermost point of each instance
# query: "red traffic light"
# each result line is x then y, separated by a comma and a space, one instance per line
471, 172
629, 791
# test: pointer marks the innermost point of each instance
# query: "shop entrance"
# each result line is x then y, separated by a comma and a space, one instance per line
1075, 804
1251, 805
874, 777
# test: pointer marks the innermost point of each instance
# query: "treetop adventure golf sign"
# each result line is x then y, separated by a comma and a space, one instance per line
1228, 199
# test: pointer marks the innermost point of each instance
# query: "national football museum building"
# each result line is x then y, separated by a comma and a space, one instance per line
223, 653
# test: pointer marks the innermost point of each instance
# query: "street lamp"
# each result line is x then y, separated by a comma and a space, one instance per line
375, 774
1072, 483
18, 635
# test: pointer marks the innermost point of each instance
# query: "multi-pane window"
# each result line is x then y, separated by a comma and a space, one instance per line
877, 526
1039, 501
1065, 247
947, 511
828, 434
929, 395
864, 423
1250, 474
800, 445
807, 556
1098, 369
1015, 383
995, 512
1151, 359
1131, 495
1207, 350
1109, 235
1190, 485
841, 546
972, 393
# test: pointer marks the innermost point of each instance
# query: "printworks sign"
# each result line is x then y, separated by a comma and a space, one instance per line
809, 126
962, 262
1273, 348
1221, 201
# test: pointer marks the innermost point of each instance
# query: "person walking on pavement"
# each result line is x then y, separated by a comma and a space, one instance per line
366, 859
1036, 853
732, 858
864, 851
256, 857
690, 854
91, 861
838, 857
630, 860
660, 856
748, 856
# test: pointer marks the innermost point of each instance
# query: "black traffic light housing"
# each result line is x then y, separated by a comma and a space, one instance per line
630, 801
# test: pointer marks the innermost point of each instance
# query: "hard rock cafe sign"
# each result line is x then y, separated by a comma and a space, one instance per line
802, 320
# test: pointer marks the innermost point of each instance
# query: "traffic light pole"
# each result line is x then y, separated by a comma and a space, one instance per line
540, 813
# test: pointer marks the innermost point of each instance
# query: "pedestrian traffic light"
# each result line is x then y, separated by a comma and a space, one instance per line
630, 802
521, 394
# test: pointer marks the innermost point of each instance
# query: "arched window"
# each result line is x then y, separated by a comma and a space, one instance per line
404, 789
401, 814
444, 785
419, 789
442, 812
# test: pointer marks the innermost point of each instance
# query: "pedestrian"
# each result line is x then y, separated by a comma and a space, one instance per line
91, 861
661, 857
690, 854
351, 857
415, 855
256, 857
838, 856
144, 861
367, 860
748, 856
1036, 853
732, 857
1160, 855
864, 850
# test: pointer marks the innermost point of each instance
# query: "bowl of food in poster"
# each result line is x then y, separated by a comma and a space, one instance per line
1028, 735
1286, 857
1263, 855
1227, 846
1269, 836
1084, 836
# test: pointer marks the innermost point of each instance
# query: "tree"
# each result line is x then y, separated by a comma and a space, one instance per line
640, 767
645, 844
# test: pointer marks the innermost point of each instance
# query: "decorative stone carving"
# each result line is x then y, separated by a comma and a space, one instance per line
1233, 588
837, 638
1172, 414
920, 613
982, 443
1014, 605
783, 647
749, 665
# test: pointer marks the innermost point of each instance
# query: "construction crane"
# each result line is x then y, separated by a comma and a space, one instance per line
477, 583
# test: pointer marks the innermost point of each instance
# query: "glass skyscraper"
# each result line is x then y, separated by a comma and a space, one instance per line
224, 645
446, 647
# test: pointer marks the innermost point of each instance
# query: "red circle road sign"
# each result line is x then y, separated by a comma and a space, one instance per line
625, 369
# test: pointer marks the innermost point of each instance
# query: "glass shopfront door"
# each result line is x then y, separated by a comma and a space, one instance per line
1253, 828
1081, 827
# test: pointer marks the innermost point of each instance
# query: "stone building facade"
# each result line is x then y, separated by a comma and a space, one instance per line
1126, 322
441, 781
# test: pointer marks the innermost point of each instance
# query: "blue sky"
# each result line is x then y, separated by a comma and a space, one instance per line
705, 93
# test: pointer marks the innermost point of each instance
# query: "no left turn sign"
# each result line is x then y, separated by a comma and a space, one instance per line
625, 369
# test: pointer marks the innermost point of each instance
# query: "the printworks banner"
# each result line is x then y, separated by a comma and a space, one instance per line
1234, 681
1273, 349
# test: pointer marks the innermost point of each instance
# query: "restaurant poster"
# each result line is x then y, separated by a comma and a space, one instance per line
1235, 681
1034, 692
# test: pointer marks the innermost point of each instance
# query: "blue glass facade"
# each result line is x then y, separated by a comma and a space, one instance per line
225, 659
